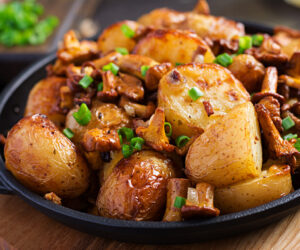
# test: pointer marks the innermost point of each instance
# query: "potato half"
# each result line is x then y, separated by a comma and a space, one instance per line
113, 37
185, 47
229, 151
219, 87
43, 99
44, 160
136, 188
272, 184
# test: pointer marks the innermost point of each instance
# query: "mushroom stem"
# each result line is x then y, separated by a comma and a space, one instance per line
176, 187
200, 202
278, 148
269, 84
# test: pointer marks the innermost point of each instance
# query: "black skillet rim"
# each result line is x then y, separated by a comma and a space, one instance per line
281, 206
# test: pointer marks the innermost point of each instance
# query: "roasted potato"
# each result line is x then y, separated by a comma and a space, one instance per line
204, 25
186, 47
229, 151
44, 99
104, 115
220, 88
249, 71
136, 188
113, 37
44, 160
272, 184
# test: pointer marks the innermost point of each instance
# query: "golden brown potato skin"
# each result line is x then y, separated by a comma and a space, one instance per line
136, 188
228, 151
204, 25
220, 88
249, 71
113, 37
185, 47
44, 97
44, 160
104, 115
272, 184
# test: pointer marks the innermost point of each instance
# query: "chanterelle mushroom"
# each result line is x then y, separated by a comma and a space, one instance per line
200, 202
278, 148
155, 135
269, 96
175, 187
102, 140
136, 109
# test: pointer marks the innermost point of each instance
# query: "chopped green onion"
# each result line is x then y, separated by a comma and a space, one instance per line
168, 127
223, 59
195, 93
127, 31
179, 202
245, 42
288, 123
100, 86
68, 133
182, 140
122, 51
144, 70
127, 150
126, 132
111, 67
290, 136
83, 115
137, 143
297, 145
121, 139
86, 81
257, 40
178, 64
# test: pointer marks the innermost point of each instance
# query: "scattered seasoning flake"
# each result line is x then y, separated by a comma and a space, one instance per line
83, 115
127, 150
224, 60
179, 202
100, 86
195, 93
144, 70
290, 136
257, 40
122, 51
86, 81
127, 31
68, 133
137, 143
111, 67
182, 140
288, 123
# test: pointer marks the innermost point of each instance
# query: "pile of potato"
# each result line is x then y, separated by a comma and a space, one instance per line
223, 166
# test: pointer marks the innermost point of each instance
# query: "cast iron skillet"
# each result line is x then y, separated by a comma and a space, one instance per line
12, 103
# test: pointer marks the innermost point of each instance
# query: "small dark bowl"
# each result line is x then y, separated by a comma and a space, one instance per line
12, 103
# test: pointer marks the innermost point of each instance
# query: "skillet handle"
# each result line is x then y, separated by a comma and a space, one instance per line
4, 188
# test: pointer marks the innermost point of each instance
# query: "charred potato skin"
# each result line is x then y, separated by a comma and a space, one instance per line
43, 99
185, 46
249, 71
271, 185
229, 151
136, 188
44, 160
189, 117
112, 37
